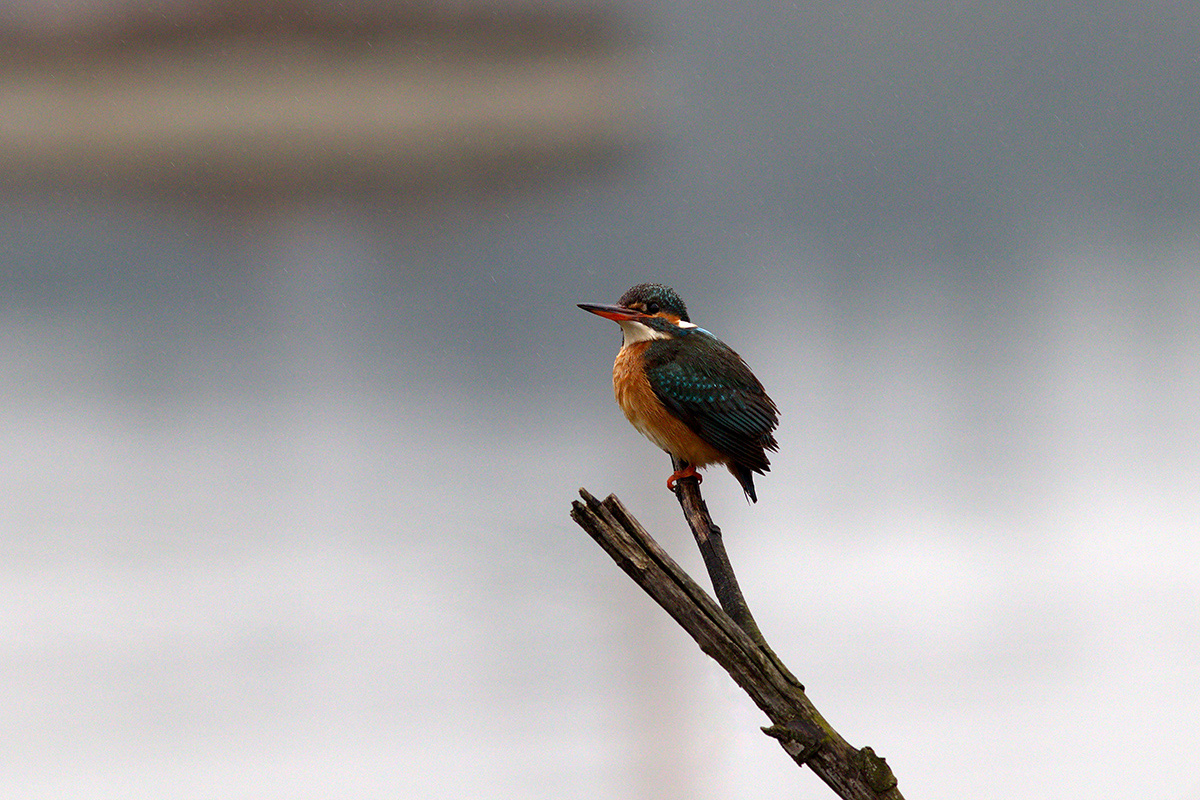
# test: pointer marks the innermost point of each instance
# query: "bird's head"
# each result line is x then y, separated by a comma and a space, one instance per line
647, 311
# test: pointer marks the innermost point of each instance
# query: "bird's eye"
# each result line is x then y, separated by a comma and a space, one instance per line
652, 308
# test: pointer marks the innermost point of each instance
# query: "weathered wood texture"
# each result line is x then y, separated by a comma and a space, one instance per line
720, 571
796, 723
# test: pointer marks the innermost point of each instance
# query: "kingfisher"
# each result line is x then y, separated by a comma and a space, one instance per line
686, 390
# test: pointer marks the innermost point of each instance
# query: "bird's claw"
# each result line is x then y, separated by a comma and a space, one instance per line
687, 472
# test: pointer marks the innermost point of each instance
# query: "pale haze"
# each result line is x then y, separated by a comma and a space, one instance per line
286, 483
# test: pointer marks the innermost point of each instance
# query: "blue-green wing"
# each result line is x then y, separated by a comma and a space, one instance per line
708, 386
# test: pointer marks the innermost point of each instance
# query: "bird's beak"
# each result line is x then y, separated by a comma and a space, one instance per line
615, 313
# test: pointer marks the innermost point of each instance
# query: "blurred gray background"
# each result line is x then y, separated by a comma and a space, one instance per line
296, 396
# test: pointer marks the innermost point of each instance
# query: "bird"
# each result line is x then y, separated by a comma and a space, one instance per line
687, 391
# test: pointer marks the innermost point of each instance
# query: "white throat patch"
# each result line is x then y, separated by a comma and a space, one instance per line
635, 331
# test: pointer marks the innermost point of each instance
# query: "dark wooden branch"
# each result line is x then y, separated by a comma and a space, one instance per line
720, 571
801, 730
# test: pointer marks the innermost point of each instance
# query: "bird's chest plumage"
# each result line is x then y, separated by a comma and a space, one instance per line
647, 413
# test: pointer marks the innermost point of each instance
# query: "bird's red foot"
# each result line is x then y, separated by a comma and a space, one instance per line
688, 472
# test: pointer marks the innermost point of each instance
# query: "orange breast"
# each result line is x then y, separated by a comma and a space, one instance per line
647, 413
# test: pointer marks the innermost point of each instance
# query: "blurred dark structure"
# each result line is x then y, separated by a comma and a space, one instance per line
293, 95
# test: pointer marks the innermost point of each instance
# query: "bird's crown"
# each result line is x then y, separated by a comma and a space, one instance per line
654, 299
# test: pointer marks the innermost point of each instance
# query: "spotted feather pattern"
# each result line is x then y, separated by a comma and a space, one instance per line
712, 391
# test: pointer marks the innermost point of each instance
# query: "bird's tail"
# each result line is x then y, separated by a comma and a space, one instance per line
746, 478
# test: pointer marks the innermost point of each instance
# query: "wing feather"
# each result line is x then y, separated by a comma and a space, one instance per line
711, 390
